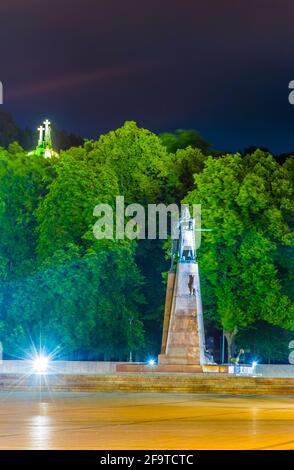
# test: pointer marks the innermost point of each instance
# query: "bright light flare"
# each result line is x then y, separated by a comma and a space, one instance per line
40, 364
151, 362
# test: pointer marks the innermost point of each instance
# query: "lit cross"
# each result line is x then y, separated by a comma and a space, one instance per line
41, 130
47, 124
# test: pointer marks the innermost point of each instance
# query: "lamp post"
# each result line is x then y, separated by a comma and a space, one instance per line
131, 353
223, 348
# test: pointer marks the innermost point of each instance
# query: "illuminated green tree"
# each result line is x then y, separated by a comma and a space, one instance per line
246, 202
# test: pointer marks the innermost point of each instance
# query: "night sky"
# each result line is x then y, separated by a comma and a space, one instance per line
219, 66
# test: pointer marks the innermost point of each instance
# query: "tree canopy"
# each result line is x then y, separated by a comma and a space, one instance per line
104, 298
246, 202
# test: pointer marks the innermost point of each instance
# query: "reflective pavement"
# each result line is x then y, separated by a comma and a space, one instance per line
144, 421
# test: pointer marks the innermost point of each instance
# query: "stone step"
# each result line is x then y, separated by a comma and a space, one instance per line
185, 383
150, 377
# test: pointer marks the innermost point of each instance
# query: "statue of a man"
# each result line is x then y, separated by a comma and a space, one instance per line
187, 237
185, 246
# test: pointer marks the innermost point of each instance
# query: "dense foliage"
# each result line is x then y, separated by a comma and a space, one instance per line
247, 202
104, 298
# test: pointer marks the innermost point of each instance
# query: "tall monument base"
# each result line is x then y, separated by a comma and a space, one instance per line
183, 344
183, 332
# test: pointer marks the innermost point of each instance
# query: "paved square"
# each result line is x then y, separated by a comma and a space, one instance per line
144, 421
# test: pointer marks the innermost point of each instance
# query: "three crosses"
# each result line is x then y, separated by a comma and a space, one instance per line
45, 132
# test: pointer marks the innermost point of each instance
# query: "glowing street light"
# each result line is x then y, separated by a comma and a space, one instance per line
151, 362
40, 364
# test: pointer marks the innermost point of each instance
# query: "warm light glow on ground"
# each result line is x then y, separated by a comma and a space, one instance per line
144, 421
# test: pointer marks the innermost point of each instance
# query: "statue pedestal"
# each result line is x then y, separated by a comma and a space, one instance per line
143, 368
183, 333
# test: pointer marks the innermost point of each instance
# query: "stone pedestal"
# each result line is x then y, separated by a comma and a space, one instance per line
183, 336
